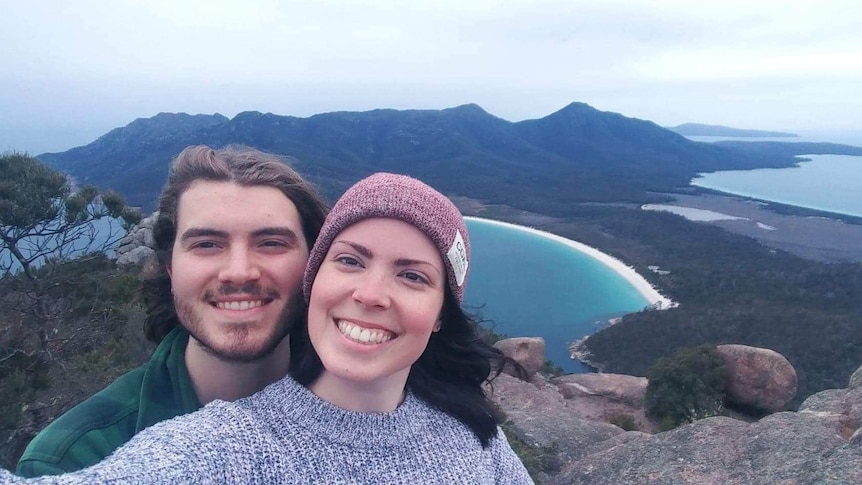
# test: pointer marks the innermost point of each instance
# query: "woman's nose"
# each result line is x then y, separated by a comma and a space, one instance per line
372, 291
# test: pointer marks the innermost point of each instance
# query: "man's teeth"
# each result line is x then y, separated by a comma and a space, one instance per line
363, 335
239, 305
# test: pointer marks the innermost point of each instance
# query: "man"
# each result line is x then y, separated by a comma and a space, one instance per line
232, 239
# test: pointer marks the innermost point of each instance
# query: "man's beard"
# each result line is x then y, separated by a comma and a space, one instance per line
293, 313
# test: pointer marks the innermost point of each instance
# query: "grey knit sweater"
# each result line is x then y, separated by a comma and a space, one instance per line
286, 434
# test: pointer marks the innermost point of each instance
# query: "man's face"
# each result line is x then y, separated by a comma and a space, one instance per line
236, 268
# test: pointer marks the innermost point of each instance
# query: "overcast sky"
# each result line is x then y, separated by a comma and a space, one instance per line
71, 71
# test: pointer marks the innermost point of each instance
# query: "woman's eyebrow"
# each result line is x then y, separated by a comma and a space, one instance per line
362, 250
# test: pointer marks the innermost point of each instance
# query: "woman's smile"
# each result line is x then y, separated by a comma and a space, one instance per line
357, 332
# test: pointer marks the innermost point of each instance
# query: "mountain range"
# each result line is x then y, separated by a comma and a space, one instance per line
577, 154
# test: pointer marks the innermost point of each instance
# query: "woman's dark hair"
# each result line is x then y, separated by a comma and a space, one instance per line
448, 375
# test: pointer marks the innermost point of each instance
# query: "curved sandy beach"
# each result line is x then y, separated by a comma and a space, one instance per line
656, 299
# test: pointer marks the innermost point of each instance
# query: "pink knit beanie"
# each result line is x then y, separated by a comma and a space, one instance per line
409, 200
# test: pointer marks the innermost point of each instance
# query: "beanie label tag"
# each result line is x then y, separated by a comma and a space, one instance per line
458, 257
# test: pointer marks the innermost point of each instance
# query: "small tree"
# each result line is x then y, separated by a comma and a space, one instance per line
44, 224
686, 386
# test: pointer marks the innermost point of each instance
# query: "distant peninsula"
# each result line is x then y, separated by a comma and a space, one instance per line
697, 129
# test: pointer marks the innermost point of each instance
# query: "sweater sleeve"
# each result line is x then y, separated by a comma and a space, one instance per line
189, 449
507, 466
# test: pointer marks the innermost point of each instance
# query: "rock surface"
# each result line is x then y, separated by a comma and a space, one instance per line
135, 248
757, 377
527, 351
783, 448
566, 418
545, 420
618, 387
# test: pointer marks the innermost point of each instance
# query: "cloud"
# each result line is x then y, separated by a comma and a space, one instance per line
112, 61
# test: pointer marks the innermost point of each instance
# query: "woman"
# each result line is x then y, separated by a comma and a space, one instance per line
386, 376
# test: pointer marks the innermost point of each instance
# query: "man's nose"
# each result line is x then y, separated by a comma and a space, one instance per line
240, 267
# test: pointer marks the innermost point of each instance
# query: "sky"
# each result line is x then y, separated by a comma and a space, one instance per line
72, 71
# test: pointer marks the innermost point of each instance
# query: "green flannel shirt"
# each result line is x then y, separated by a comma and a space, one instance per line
158, 390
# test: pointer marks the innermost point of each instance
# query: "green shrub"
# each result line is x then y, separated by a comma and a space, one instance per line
686, 386
624, 421
667, 424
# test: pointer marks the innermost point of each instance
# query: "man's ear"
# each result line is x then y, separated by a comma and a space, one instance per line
436, 326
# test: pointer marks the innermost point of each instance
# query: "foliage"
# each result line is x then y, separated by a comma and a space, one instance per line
624, 421
687, 386
98, 339
41, 218
43, 224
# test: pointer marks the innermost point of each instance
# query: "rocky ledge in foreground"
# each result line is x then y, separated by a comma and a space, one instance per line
565, 422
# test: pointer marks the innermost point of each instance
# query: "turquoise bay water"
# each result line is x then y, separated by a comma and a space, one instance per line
532, 286
828, 182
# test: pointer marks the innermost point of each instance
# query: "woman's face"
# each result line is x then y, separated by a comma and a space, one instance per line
375, 301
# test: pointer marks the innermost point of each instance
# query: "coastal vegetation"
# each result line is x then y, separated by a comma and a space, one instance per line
64, 307
731, 289
686, 386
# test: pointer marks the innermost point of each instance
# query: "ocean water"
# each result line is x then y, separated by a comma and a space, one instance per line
531, 286
829, 183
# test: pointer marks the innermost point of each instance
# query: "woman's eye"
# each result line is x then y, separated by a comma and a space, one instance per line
347, 261
415, 277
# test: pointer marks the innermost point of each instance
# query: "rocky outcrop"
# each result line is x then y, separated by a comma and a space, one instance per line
527, 351
136, 247
846, 403
616, 387
785, 448
546, 421
759, 378
566, 419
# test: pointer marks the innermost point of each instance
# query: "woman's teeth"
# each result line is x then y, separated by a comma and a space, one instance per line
363, 335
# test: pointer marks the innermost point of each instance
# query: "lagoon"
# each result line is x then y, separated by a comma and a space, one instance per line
828, 183
528, 285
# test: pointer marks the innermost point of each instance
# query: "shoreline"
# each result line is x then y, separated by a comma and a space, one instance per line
656, 300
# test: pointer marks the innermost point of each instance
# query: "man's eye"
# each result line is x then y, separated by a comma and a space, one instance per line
204, 245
